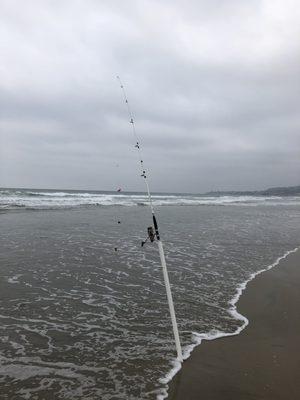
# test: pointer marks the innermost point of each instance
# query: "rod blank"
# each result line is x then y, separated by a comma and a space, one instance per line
159, 242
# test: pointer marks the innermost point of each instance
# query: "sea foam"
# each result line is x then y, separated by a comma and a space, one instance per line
11, 199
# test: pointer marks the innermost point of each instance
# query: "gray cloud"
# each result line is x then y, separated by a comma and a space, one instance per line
213, 85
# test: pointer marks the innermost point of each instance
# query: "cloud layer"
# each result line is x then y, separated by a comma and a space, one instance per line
214, 87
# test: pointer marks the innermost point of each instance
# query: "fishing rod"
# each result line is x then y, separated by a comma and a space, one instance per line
153, 234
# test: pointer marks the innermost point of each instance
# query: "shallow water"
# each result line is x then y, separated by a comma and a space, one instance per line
82, 321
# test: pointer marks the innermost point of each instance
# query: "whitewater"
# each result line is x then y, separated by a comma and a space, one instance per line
49, 199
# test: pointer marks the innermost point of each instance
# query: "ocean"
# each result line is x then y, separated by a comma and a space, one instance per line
82, 320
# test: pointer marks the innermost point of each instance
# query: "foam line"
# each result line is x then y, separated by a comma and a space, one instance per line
10, 199
215, 334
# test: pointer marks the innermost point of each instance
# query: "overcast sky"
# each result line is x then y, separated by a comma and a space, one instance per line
214, 87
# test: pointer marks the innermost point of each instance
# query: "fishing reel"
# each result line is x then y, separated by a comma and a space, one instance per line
150, 236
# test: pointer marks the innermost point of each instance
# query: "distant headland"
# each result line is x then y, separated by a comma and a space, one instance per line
274, 191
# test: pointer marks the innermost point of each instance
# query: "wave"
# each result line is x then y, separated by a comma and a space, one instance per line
30, 199
215, 334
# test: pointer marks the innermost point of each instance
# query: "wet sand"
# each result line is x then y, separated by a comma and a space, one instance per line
263, 362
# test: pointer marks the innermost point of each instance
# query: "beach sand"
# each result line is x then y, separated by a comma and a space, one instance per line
263, 361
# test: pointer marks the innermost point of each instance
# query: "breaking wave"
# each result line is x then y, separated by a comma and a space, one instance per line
49, 199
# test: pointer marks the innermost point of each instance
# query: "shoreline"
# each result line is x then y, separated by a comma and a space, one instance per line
200, 375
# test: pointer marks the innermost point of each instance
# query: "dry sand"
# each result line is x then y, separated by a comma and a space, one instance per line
263, 362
